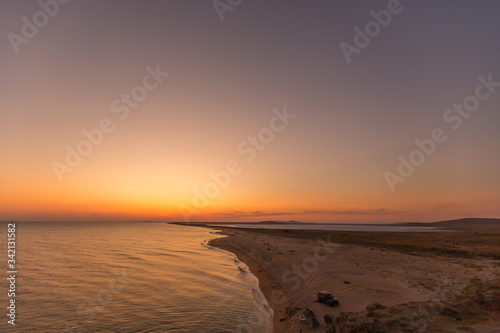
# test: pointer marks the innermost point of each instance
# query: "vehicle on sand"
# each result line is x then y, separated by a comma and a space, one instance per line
327, 298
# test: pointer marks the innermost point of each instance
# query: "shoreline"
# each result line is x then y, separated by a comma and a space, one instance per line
402, 276
266, 282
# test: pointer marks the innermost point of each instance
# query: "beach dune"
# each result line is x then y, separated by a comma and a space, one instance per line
295, 268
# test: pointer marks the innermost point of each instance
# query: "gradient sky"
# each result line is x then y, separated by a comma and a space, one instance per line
226, 77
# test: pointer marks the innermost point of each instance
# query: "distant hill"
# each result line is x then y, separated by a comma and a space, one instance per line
279, 222
466, 223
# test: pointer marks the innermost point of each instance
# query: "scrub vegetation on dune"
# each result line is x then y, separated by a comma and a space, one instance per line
455, 243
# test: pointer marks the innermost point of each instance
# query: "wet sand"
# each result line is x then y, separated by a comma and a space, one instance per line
267, 283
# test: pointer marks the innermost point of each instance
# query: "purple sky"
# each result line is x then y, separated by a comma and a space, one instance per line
330, 163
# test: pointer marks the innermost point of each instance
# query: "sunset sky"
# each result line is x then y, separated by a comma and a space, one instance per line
241, 77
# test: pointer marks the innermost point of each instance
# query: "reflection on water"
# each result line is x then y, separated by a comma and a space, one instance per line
130, 277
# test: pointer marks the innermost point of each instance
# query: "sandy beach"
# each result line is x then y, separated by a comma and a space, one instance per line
292, 268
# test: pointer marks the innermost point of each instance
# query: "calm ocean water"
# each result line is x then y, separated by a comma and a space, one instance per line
128, 277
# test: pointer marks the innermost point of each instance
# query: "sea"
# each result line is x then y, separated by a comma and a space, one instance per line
126, 277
